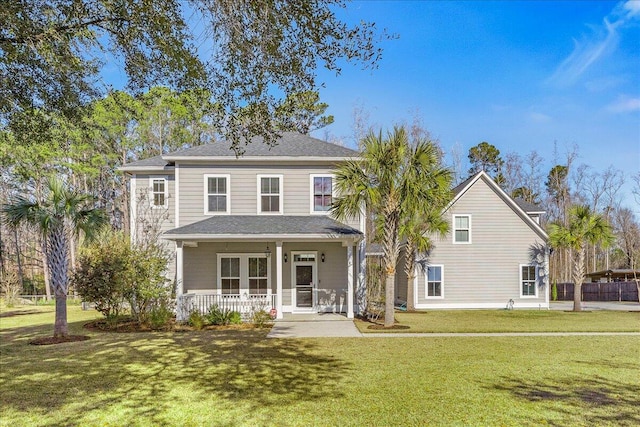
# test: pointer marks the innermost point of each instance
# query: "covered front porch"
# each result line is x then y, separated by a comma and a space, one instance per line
279, 264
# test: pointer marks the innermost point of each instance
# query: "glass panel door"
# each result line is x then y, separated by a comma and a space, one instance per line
304, 286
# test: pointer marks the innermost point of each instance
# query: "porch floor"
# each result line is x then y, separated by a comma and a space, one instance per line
312, 317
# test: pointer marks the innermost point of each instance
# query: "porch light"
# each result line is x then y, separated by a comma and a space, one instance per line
322, 256
267, 253
285, 257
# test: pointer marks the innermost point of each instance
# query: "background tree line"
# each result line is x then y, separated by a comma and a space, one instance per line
87, 151
557, 191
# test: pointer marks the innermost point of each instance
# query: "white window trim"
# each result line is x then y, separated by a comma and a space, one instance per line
454, 229
206, 193
535, 281
426, 282
244, 271
312, 177
259, 194
166, 192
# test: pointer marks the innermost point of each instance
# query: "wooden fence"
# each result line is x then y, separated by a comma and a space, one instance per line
614, 291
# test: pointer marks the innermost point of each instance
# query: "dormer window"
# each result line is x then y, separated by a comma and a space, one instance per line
270, 194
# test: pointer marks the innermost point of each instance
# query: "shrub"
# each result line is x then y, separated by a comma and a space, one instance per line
235, 318
260, 318
10, 286
160, 316
216, 316
102, 273
554, 291
197, 320
112, 271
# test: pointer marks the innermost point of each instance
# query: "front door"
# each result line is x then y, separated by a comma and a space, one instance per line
304, 280
304, 286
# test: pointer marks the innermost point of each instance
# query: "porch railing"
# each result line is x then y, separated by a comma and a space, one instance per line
244, 304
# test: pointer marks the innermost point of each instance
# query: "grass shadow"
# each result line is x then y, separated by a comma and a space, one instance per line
592, 400
147, 374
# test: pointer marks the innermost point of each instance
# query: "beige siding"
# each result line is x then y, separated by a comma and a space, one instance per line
243, 190
487, 271
200, 269
161, 218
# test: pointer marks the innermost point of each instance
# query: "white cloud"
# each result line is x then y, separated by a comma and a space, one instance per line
632, 7
624, 104
603, 41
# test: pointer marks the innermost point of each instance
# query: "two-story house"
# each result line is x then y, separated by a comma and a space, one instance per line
495, 254
253, 230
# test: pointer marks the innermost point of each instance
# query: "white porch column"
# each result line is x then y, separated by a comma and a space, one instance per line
279, 314
350, 280
179, 269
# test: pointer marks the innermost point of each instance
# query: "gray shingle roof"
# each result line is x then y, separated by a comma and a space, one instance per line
256, 225
156, 161
291, 144
528, 207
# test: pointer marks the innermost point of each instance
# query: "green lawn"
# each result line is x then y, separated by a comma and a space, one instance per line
234, 378
513, 321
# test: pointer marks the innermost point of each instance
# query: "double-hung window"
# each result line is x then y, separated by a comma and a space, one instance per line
270, 194
159, 190
230, 275
257, 275
434, 282
321, 193
217, 194
243, 274
462, 229
528, 281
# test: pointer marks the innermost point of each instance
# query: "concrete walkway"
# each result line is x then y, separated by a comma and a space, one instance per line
314, 326
596, 305
337, 325
495, 334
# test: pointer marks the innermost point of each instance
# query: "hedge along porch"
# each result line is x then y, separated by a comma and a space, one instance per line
291, 264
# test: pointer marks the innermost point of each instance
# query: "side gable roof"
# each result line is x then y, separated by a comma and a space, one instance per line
522, 208
289, 145
151, 164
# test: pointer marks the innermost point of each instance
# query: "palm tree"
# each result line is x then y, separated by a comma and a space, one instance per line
389, 178
584, 227
417, 230
63, 212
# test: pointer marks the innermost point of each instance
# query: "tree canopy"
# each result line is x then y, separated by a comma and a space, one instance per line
246, 52
486, 157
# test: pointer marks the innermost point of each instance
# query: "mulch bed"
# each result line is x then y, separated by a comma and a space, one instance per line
58, 340
128, 326
379, 327
125, 326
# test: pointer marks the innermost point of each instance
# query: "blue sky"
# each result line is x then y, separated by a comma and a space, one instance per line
520, 75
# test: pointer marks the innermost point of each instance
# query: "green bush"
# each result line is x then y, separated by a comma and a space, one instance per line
554, 291
103, 272
160, 316
260, 318
235, 318
111, 272
10, 287
197, 320
217, 316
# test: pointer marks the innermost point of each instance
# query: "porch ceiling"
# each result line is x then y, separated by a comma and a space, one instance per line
264, 227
